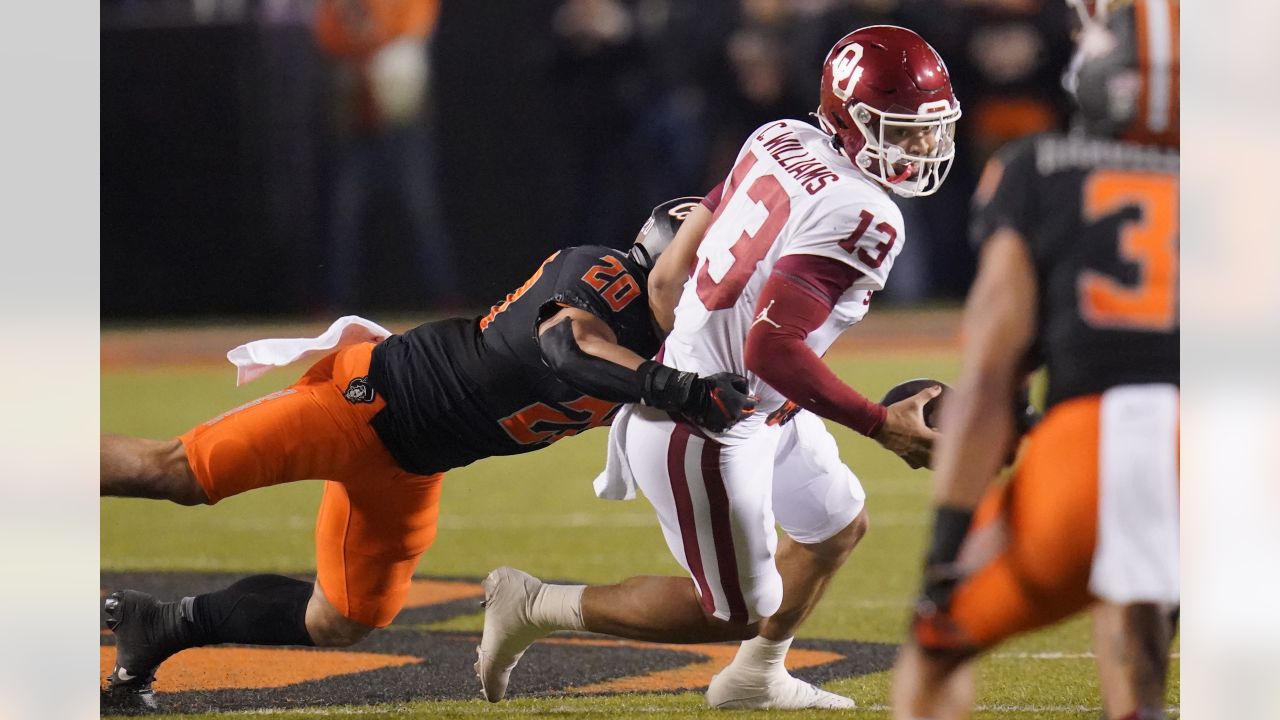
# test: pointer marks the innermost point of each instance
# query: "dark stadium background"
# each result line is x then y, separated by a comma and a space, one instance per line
216, 153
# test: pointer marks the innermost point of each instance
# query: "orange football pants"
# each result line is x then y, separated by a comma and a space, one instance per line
1041, 528
375, 519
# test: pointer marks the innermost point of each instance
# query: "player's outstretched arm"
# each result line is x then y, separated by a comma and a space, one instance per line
590, 336
796, 300
671, 271
583, 351
978, 417
998, 330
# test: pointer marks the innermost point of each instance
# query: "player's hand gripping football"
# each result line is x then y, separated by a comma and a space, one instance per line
905, 431
718, 402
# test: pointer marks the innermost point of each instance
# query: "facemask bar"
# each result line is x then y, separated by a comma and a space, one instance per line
1096, 15
1092, 40
883, 161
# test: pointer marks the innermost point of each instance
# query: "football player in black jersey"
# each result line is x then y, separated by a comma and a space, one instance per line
1078, 273
381, 423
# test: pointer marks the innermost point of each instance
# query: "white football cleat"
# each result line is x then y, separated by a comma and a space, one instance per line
508, 631
734, 689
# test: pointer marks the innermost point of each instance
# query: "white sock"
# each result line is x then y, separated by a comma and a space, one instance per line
558, 607
763, 656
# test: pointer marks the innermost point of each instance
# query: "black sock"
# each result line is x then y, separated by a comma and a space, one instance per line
258, 610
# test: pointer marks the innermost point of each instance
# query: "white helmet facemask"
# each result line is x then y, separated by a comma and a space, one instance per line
893, 167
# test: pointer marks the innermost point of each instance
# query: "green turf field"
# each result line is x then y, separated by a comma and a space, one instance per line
537, 512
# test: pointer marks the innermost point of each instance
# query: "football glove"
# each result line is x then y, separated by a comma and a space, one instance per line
717, 402
941, 571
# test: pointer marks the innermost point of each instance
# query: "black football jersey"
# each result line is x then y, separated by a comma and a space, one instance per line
459, 390
1100, 218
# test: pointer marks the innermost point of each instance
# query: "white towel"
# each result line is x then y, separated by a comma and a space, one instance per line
253, 359
1136, 556
616, 482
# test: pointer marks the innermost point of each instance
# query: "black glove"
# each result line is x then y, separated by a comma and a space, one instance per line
716, 402
940, 581
941, 571
719, 402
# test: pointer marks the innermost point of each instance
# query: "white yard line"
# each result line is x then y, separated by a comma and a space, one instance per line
538, 521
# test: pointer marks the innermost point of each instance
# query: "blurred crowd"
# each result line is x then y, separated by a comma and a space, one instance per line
640, 100
673, 88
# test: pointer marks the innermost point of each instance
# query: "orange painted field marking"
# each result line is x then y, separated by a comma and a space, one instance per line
696, 675
434, 592
236, 668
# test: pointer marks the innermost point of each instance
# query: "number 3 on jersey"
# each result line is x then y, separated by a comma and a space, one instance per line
750, 247
1150, 242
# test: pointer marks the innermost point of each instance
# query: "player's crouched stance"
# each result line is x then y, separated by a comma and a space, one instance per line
1089, 518
381, 422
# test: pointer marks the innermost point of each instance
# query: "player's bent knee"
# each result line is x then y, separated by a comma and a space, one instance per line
329, 628
842, 543
833, 551
172, 474
764, 599
852, 535
338, 633
830, 555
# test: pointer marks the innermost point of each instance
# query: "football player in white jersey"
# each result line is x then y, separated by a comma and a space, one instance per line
797, 239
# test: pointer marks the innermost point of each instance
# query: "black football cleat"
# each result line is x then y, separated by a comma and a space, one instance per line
147, 632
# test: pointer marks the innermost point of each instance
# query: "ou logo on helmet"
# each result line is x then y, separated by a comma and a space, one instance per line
845, 71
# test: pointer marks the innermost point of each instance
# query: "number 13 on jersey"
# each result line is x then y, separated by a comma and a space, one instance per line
750, 219
750, 247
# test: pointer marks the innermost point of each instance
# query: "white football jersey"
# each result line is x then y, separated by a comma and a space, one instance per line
789, 193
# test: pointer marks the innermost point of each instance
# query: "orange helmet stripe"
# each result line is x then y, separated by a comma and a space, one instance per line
1158, 58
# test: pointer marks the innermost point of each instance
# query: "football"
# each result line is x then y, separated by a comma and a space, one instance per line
904, 390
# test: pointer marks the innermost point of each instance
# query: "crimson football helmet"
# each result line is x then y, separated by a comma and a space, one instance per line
887, 102
1124, 73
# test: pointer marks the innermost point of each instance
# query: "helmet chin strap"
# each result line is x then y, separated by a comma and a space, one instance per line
892, 155
906, 173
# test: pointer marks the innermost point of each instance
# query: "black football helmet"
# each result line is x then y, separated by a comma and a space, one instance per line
1124, 73
660, 229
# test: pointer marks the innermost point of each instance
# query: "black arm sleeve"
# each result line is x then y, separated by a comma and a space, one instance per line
594, 376
653, 383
